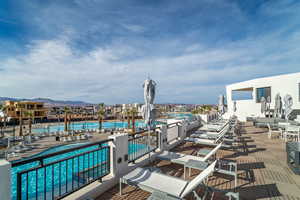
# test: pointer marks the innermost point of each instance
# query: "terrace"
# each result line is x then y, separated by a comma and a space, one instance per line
56, 175
261, 164
262, 170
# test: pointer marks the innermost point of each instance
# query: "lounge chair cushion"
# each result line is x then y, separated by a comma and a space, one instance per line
155, 181
178, 157
184, 158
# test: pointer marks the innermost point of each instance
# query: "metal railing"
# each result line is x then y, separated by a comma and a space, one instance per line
59, 174
140, 144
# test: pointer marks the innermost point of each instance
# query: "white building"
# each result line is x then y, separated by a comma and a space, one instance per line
261, 87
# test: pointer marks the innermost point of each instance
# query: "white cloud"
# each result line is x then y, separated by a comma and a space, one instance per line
52, 68
181, 53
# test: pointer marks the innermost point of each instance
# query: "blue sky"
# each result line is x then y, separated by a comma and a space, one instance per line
101, 51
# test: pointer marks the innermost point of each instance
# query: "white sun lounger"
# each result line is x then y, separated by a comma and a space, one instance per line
211, 127
155, 181
211, 135
207, 142
214, 126
180, 158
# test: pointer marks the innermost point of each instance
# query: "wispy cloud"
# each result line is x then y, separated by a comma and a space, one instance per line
105, 54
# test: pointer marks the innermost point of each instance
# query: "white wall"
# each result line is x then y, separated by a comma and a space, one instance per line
172, 133
5, 180
283, 84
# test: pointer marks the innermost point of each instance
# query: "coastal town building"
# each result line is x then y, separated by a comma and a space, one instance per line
15, 109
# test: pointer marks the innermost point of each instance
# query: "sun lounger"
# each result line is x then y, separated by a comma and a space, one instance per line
207, 142
180, 158
155, 181
83, 137
69, 139
213, 142
210, 135
211, 127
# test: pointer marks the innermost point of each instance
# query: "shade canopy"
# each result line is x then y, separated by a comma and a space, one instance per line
263, 103
2, 114
234, 106
149, 95
278, 105
288, 103
221, 106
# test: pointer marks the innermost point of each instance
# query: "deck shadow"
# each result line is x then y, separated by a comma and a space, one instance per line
248, 166
259, 192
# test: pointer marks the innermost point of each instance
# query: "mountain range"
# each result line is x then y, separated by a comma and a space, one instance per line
47, 101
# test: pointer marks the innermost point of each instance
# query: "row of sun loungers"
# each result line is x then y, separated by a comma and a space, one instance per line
152, 180
73, 138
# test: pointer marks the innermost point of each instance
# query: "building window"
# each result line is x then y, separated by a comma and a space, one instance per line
263, 92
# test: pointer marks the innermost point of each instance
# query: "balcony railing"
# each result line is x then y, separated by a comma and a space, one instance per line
58, 174
140, 144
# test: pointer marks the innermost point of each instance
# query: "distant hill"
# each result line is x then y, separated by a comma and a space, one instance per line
48, 101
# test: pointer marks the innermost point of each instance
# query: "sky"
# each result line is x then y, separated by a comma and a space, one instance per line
102, 51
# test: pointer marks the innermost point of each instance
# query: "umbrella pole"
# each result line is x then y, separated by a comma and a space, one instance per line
149, 142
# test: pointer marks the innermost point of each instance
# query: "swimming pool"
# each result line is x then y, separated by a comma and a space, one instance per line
61, 174
181, 115
87, 125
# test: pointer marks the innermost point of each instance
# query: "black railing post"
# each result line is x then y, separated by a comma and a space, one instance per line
19, 186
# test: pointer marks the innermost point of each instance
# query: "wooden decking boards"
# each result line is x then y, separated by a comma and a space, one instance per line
262, 170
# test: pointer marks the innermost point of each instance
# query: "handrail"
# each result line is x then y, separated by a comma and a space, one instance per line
62, 160
42, 157
79, 171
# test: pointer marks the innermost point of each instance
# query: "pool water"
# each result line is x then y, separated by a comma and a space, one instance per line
61, 174
87, 125
181, 115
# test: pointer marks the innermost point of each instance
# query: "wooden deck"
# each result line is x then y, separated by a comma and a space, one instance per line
262, 170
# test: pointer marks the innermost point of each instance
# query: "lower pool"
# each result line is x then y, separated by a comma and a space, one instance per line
60, 178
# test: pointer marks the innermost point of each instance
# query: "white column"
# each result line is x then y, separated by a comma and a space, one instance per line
5, 180
118, 154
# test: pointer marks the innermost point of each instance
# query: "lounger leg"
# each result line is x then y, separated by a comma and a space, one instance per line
184, 172
120, 187
235, 182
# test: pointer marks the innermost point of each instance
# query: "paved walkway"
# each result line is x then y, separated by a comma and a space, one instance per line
262, 170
